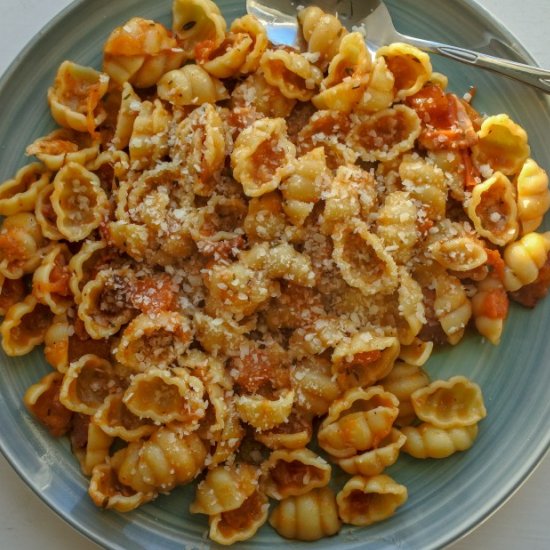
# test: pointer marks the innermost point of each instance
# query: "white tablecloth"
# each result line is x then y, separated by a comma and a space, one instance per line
27, 524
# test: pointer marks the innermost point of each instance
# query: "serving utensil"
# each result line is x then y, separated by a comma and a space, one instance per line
279, 18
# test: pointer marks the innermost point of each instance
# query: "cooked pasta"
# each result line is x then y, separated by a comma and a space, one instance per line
453, 403
358, 421
75, 97
138, 466
502, 145
93, 449
322, 32
375, 461
42, 400
140, 52
20, 193
62, 146
363, 501
258, 172
427, 441
24, 326
348, 76
490, 308
403, 380
385, 134
310, 516
292, 73
296, 472
493, 210
190, 85
21, 245
240, 256
107, 492
533, 196
242, 523
224, 489
194, 21
78, 200
410, 67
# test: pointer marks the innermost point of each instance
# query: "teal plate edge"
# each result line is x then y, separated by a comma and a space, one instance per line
91, 530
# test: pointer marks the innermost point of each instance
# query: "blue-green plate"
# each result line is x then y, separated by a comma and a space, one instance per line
447, 498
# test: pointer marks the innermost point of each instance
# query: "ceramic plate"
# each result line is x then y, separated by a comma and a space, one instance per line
446, 498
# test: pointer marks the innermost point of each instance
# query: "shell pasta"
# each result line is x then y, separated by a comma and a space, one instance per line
239, 257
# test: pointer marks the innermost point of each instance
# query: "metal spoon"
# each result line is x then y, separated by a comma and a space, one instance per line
279, 18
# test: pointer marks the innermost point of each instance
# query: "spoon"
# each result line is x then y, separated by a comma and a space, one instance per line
279, 18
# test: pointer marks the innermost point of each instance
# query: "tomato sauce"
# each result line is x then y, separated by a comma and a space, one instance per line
49, 410
241, 518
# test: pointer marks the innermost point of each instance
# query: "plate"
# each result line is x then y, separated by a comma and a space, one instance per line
447, 498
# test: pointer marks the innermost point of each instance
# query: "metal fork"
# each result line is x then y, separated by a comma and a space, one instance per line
279, 18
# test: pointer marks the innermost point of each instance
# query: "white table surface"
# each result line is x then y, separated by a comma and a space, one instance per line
26, 523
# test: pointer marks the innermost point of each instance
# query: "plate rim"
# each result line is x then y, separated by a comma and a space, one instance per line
487, 18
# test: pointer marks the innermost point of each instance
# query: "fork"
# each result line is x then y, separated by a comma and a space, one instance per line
279, 18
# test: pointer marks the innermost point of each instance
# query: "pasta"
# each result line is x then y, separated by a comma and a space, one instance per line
427, 441
56, 343
294, 434
358, 421
87, 383
239, 53
307, 517
292, 73
204, 155
403, 380
21, 245
322, 32
166, 396
257, 172
379, 93
140, 52
20, 193
454, 403
24, 326
74, 98
224, 489
62, 146
363, 260
523, 260
42, 400
364, 501
107, 492
239, 258
410, 67
242, 523
183, 459
50, 281
375, 461
78, 201
364, 359
194, 21
348, 75
493, 219
190, 85
115, 420
94, 449
533, 196
490, 308
292, 473
502, 145
384, 135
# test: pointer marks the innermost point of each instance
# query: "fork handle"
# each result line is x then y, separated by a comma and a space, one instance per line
528, 74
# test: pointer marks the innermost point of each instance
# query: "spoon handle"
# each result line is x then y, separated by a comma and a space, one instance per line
528, 74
